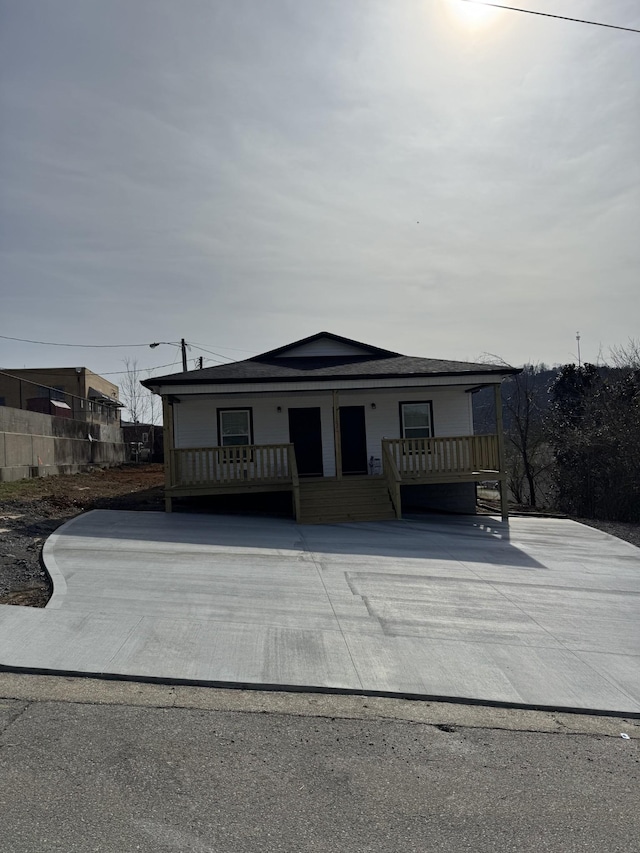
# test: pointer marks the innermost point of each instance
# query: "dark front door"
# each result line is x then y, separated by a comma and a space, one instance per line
305, 433
353, 438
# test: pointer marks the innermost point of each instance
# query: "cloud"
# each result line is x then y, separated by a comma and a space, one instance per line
244, 174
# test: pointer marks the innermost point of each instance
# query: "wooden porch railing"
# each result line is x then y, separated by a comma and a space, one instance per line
295, 482
442, 457
257, 464
393, 478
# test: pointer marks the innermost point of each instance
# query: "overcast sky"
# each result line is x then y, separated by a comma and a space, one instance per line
245, 173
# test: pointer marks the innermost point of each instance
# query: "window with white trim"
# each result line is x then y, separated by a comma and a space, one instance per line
416, 420
234, 427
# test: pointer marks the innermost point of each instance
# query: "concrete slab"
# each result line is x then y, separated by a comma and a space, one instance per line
540, 612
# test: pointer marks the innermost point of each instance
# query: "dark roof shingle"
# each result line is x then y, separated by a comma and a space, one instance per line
268, 368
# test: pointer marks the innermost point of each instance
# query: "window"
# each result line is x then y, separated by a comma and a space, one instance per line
234, 427
416, 420
56, 393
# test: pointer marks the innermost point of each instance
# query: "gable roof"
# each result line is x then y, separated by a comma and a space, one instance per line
352, 360
334, 345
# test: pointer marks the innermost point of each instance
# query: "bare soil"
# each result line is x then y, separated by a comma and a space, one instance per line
30, 510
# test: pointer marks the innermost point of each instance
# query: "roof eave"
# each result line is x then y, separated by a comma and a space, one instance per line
177, 380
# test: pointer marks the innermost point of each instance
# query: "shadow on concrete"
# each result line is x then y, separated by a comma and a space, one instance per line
480, 539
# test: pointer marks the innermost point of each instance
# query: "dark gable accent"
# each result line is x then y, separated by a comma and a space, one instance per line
370, 350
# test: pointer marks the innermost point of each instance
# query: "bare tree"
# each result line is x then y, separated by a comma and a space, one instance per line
141, 404
626, 356
154, 417
528, 455
134, 395
525, 403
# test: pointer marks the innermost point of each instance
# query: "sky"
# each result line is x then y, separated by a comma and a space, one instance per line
433, 177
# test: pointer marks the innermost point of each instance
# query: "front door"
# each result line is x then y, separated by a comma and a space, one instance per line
305, 433
353, 439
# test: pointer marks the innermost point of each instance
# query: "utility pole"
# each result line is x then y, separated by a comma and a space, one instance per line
183, 347
578, 341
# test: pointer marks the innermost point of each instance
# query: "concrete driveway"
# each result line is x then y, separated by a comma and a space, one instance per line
541, 613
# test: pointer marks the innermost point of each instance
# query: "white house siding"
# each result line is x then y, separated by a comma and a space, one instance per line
196, 419
451, 413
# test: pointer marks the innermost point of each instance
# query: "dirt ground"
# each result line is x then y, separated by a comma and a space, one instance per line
30, 510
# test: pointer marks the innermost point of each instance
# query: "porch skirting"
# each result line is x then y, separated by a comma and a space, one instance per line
447, 497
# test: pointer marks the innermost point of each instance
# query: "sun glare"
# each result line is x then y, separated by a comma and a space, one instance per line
472, 15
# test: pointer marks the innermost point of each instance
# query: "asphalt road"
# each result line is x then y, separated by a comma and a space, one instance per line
94, 766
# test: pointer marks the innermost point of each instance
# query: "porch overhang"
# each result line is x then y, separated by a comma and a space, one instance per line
326, 386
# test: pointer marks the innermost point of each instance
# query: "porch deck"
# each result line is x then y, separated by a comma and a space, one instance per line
202, 471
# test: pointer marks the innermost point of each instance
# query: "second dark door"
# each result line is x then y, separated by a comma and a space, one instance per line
353, 438
305, 433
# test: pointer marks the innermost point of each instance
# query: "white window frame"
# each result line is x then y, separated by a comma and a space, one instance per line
403, 428
249, 434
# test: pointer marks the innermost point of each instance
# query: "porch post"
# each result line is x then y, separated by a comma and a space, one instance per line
336, 435
169, 459
504, 506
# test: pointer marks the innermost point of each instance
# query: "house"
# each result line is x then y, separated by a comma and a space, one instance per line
71, 392
352, 431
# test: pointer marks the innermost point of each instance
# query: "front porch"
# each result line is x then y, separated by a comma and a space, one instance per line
245, 469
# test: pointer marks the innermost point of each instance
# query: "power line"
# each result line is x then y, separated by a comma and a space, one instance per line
64, 373
123, 346
82, 346
234, 349
550, 15
220, 355
138, 369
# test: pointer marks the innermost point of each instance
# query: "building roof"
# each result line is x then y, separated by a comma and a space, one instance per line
326, 356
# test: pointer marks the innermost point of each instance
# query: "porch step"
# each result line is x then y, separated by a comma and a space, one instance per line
349, 499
